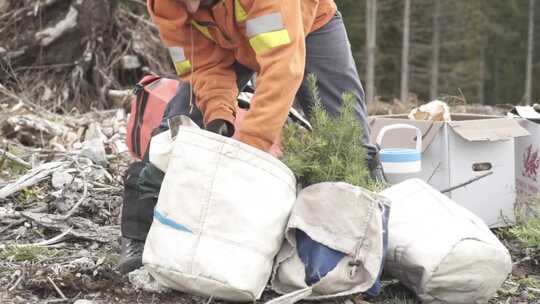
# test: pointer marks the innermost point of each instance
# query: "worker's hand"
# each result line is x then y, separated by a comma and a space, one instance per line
273, 149
276, 151
221, 127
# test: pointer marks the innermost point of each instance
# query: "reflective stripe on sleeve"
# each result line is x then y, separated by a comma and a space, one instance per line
239, 12
267, 41
203, 29
267, 32
181, 64
182, 68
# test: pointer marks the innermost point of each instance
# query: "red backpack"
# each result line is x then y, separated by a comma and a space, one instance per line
152, 94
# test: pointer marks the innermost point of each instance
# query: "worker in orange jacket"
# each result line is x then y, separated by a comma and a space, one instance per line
216, 45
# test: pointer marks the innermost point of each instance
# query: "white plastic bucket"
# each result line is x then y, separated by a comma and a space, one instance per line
401, 160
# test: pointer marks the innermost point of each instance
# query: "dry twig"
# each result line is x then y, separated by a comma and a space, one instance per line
31, 178
13, 224
83, 197
140, 19
54, 240
534, 290
57, 289
19, 280
15, 158
467, 182
142, 3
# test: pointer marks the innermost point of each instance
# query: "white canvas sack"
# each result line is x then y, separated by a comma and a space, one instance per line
440, 250
220, 218
345, 218
161, 145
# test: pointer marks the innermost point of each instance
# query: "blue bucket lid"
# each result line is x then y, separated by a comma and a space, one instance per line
399, 155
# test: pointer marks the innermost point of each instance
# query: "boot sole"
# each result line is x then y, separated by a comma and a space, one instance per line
129, 265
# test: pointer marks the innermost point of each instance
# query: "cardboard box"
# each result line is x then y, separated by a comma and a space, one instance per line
528, 152
457, 151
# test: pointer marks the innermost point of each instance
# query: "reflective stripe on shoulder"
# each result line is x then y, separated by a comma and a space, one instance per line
203, 29
239, 11
264, 24
267, 32
181, 64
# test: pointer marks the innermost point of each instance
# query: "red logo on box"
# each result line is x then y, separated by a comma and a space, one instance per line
531, 163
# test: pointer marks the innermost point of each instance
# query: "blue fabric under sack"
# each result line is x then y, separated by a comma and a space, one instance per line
319, 259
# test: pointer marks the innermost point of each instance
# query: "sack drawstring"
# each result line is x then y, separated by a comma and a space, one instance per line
357, 262
191, 106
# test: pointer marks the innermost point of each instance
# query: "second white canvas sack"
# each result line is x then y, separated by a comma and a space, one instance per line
334, 243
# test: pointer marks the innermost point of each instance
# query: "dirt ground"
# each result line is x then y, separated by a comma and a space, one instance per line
61, 171
71, 212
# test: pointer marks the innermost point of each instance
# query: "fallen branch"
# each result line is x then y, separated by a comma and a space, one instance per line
31, 178
83, 199
9, 214
467, 182
525, 259
56, 288
534, 290
140, 2
120, 98
81, 227
106, 187
57, 239
15, 158
13, 224
51, 34
140, 19
19, 280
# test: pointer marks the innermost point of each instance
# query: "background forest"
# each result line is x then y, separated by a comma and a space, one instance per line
477, 50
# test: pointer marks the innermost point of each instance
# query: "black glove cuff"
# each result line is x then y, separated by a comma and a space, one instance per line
221, 127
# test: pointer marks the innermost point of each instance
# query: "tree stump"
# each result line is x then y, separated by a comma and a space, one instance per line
66, 54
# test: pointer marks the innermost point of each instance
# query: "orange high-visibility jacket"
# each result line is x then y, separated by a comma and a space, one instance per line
268, 36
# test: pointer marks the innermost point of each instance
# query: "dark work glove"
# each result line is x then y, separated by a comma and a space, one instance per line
221, 127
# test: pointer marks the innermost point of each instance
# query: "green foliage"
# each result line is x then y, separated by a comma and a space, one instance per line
482, 49
529, 282
527, 229
528, 233
333, 151
28, 195
25, 253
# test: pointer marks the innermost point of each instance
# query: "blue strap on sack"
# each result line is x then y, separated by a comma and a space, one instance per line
319, 259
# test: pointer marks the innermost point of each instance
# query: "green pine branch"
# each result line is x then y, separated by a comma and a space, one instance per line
333, 151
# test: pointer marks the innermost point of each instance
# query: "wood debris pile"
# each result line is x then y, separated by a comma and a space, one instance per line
60, 201
76, 54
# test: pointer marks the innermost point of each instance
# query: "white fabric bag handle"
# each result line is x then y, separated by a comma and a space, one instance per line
161, 145
292, 297
399, 127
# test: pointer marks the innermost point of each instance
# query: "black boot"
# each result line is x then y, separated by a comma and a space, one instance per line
131, 255
141, 188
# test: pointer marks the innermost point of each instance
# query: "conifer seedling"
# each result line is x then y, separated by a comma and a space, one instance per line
332, 151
